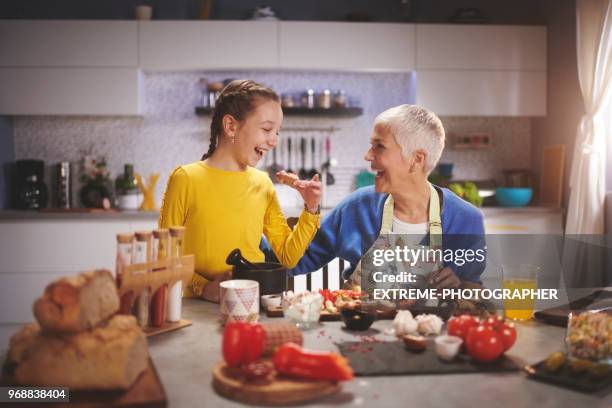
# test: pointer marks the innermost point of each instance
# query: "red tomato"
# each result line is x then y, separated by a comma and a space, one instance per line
255, 343
234, 343
493, 322
484, 344
508, 334
460, 325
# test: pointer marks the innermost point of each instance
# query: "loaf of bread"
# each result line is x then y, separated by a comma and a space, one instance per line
77, 303
109, 357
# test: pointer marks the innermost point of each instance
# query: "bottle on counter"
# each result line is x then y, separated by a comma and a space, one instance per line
158, 307
142, 254
175, 294
125, 250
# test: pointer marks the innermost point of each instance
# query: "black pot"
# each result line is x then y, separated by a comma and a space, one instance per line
271, 276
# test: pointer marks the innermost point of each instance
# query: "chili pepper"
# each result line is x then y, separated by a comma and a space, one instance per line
290, 359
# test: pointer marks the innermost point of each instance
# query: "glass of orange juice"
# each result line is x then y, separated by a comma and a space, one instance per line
519, 277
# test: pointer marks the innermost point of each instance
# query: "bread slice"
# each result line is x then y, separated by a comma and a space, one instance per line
77, 303
106, 358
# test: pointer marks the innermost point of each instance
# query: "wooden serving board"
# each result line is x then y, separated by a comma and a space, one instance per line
229, 383
167, 327
147, 391
331, 317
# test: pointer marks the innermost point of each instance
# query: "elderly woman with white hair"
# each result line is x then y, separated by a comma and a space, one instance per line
406, 144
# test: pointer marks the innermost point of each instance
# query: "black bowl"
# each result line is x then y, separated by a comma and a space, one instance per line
356, 319
272, 277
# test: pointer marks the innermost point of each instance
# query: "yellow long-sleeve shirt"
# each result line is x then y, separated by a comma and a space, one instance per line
223, 210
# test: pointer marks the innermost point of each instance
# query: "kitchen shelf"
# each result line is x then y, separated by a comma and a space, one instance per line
332, 112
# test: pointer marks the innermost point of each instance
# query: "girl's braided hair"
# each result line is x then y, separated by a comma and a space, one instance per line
238, 99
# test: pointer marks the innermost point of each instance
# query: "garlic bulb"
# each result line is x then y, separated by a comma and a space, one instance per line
429, 324
404, 323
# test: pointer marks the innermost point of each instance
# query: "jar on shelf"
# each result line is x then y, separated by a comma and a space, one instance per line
308, 99
325, 99
340, 100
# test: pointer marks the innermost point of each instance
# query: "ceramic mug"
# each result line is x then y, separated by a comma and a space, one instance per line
239, 300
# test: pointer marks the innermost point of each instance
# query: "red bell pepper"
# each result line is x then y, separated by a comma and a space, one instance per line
243, 343
290, 359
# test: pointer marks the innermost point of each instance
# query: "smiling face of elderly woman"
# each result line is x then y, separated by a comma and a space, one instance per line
406, 144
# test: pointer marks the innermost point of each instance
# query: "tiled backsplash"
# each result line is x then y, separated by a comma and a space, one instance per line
170, 134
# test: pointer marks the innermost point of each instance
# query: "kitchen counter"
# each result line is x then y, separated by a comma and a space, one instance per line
185, 359
98, 215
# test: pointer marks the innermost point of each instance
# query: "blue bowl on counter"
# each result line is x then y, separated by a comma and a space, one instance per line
513, 196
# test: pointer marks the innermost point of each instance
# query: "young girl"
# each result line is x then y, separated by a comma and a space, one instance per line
225, 203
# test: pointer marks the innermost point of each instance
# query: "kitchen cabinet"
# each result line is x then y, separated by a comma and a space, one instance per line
480, 47
195, 45
483, 70
482, 93
35, 252
70, 91
347, 46
39, 43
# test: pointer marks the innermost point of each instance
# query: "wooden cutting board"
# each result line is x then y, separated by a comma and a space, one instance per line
229, 383
147, 391
331, 317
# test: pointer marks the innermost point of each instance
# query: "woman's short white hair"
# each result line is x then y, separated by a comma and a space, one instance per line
415, 127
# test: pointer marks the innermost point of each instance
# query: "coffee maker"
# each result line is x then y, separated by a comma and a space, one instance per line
30, 190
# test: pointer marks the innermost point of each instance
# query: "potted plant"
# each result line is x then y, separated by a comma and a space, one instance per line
126, 188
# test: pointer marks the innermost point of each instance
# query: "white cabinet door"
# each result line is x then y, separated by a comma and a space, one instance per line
34, 253
40, 43
70, 91
192, 45
346, 46
441, 46
482, 93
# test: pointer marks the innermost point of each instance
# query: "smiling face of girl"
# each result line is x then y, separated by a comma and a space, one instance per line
245, 124
257, 134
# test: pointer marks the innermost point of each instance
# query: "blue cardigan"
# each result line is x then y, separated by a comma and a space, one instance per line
351, 228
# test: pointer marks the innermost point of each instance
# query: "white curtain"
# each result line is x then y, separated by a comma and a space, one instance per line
587, 177
583, 260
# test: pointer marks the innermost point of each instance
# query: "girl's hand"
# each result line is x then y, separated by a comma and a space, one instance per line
211, 291
310, 190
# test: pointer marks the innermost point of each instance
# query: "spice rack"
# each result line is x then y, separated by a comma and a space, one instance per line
153, 275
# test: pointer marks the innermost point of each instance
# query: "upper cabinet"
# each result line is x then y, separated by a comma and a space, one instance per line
69, 68
347, 46
93, 67
482, 93
70, 91
39, 43
196, 45
482, 47
481, 70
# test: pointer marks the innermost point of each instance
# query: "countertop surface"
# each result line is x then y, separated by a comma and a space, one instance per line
76, 215
289, 211
185, 359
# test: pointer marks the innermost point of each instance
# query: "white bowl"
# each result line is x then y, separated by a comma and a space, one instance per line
271, 301
447, 347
